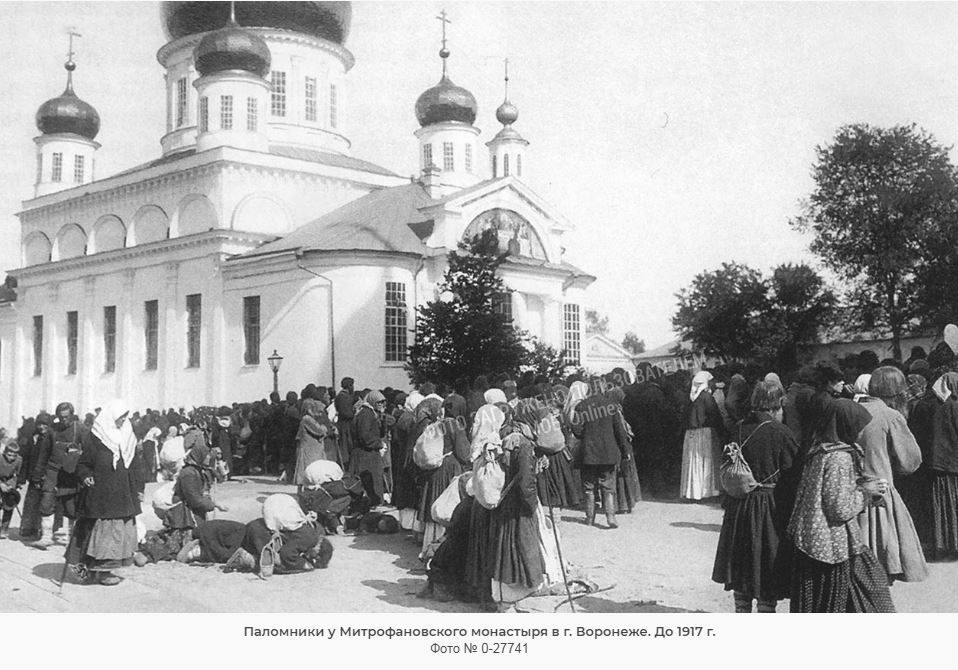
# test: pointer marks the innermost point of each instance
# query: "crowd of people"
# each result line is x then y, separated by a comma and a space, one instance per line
835, 483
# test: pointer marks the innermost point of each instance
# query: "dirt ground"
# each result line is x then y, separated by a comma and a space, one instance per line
659, 560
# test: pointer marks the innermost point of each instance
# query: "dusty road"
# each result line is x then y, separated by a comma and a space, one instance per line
659, 560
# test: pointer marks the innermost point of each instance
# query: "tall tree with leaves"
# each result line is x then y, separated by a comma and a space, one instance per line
461, 334
632, 342
882, 211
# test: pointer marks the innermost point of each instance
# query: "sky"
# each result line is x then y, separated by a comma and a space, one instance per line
674, 136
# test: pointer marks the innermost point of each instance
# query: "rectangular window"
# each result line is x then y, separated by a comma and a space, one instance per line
447, 157
310, 98
37, 346
151, 331
57, 174
194, 316
251, 329
78, 165
226, 112
204, 114
73, 336
277, 95
252, 114
333, 106
468, 158
396, 319
427, 155
502, 304
109, 338
519, 165
39, 167
505, 165
181, 102
494, 175
571, 334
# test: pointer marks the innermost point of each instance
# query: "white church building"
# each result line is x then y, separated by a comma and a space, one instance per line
169, 284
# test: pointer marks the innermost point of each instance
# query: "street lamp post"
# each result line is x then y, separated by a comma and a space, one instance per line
274, 362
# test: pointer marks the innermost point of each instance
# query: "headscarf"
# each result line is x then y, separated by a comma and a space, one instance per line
281, 512
485, 429
120, 441
700, 382
313, 408
946, 386
861, 384
493, 396
413, 400
152, 435
843, 421
578, 392
430, 408
198, 455
528, 413
773, 378
917, 385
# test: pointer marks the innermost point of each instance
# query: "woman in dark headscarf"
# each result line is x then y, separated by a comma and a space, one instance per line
193, 488
943, 465
627, 489
833, 570
456, 449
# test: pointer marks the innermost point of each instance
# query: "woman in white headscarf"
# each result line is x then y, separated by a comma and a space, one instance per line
703, 442
109, 501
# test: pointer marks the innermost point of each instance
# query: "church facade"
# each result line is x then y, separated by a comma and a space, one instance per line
170, 284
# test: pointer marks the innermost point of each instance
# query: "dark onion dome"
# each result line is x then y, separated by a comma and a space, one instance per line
232, 48
446, 102
507, 113
67, 113
326, 20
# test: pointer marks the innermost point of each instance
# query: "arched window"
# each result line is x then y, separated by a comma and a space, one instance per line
516, 234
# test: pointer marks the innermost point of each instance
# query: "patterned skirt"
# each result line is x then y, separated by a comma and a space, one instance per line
857, 585
944, 500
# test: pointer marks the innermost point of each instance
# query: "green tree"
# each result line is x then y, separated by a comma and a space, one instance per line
460, 334
881, 215
737, 313
632, 342
720, 313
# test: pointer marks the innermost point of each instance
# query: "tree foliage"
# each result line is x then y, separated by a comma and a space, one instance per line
632, 342
595, 323
460, 334
737, 313
882, 218
544, 359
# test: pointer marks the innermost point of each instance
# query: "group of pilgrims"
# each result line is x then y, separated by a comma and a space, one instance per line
852, 477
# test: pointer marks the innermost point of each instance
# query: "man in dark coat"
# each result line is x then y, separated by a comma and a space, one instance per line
60, 483
36, 453
345, 412
602, 445
646, 410
223, 439
366, 461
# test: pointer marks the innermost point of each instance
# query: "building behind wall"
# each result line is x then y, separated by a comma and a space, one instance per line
256, 230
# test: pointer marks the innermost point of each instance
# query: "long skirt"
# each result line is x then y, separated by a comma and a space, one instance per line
434, 483
699, 467
556, 484
368, 466
753, 555
944, 500
627, 489
103, 544
517, 556
549, 546
405, 492
890, 533
479, 551
857, 585
307, 452
219, 539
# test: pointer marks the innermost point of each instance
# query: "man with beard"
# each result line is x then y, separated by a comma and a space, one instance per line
36, 452
60, 483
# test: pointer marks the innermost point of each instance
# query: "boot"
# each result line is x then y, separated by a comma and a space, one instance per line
608, 504
589, 509
62, 534
46, 533
5, 523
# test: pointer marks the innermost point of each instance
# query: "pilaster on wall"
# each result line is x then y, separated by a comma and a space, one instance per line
169, 342
86, 351
125, 343
52, 369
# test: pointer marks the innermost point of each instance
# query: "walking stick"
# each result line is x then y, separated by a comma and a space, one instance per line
565, 578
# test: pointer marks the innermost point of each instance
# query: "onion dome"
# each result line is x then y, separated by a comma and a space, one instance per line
446, 102
67, 113
232, 48
325, 20
507, 113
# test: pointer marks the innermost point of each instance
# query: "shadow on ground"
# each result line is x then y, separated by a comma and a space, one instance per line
403, 593
598, 604
707, 527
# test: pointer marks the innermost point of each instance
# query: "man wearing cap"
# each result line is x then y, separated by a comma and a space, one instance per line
60, 481
10, 464
366, 461
33, 471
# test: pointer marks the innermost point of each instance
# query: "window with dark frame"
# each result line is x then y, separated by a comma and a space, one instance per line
571, 335
333, 106
468, 155
252, 114
109, 338
78, 165
37, 346
73, 337
448, 158
502, 304
494, 166
56, 174
226, 112
251, 329
204, 114
427, 155
396, 322
151, 332
277, 83
194, 317
311, 98
518, 165
505, 165
181, 102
